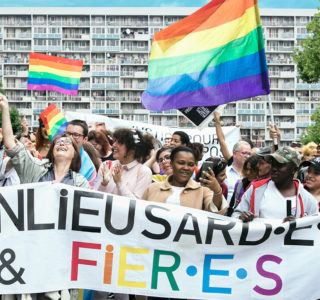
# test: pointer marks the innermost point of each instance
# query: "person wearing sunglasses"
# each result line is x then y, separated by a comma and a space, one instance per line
63, 159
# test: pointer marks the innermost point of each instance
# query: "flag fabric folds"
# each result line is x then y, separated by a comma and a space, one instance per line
214, 56
54, 73
54, 121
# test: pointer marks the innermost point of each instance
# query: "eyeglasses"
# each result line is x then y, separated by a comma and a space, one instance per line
63, 141
165, 158
73, 134
245, 153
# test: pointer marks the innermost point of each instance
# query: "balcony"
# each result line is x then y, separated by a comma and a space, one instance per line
112, 111
279, 49
100, 36
98, 111
302, 124
303, 111
287, 125
112, 86
112, 48
258, 111
134, 49
98, 48
113, 73
40, 47
54, 35
303, 86
76, 49
96, 73
98, 85
244, 111
40, 36
315, 86
112, 36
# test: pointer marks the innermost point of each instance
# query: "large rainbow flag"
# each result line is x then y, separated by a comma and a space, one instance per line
214, 56
54, 73
54, 121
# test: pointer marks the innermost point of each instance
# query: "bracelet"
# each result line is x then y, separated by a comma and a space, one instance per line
218, 194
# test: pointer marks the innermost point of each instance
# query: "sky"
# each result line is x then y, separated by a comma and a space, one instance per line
149, 3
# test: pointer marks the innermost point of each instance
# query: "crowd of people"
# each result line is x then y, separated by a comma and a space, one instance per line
248, 183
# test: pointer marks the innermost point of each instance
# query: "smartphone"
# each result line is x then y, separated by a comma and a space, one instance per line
205, 167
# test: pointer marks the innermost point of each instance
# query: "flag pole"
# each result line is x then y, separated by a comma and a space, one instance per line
275, 140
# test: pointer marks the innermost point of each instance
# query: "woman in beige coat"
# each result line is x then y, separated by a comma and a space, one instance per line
180, 189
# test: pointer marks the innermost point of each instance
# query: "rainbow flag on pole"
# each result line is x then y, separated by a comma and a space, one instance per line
214, 56
54, 73
54, 121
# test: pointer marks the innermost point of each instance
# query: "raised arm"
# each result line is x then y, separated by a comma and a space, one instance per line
7, 132
221, 139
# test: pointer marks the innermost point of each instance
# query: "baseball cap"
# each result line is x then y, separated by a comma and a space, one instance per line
314, 162
285, 155
264, 151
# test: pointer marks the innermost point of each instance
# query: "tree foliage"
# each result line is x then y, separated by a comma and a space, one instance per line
312, 133
308, 56
15, 120
2, 91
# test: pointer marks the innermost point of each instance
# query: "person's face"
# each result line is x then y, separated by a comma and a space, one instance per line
44, 132
63, 148
312, 178
176, 141
263, 167
96, 145
183, 167
27, 143
167, 142
77, 133
281, 173
164, 162
119, 150
249, 173
309, 156
222, 176
242, 154
100, 126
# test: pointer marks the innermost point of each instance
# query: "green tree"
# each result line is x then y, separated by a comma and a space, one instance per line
312, 133
308, 56
2, 91
15, 120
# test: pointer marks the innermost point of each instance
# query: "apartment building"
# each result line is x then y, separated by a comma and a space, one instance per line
114, 44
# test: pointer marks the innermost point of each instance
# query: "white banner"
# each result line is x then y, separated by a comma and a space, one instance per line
206, 136
55, 236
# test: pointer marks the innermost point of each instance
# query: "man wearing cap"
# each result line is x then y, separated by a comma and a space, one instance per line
279, 196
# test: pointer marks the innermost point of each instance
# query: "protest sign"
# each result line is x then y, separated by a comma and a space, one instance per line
77, 238
206, 136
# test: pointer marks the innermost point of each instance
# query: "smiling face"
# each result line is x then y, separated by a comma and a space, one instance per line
313, 178
119, 151
182, 168
63, 149
164, 162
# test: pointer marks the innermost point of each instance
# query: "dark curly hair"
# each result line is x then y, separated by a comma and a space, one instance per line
134, 140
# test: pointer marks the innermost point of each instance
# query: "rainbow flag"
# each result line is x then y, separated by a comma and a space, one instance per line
54, 121
54, 73
214, 56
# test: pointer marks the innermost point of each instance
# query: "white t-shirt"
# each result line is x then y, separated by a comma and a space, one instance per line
174, 198
274, 205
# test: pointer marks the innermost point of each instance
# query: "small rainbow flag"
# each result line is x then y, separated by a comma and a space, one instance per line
54, 73
214, 56
54, 121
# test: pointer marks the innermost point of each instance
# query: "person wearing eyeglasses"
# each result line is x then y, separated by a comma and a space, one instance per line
163, 159
78, 129
63, 160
